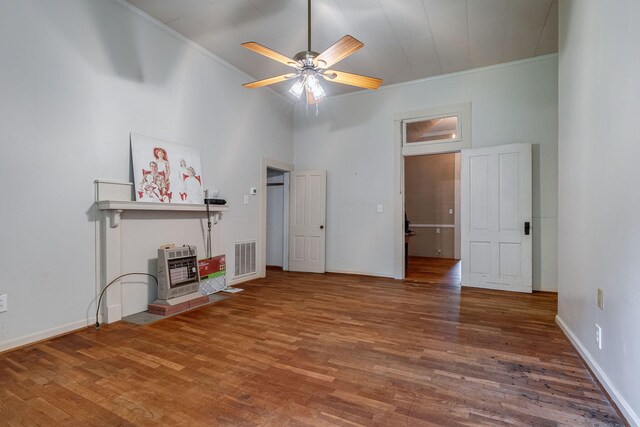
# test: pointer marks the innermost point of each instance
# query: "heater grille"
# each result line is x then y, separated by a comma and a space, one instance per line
177, 272
245, 258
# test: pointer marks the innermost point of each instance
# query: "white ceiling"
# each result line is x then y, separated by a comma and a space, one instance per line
404, 39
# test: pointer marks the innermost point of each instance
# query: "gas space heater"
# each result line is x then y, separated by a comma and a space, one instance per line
178, 273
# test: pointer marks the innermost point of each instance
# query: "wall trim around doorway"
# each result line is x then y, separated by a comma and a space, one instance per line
463, 110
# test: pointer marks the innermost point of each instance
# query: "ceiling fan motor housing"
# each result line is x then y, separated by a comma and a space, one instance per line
306, 58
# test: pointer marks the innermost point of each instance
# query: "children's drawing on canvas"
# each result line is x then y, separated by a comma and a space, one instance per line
165, 172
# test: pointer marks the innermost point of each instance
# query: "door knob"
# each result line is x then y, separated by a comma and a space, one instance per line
322, 227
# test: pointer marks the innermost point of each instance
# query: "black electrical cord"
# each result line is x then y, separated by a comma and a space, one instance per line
111, 283
208, 251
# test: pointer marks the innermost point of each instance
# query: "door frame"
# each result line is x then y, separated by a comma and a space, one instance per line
267, 163
463, 111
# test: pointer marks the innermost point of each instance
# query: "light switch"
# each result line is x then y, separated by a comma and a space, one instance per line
379, 208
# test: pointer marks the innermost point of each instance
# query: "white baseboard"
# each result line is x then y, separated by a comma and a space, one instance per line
362, 273
624, 407
543, 289
499, 287
46, 334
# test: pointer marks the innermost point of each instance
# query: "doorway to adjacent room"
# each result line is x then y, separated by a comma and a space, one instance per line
432, 217
274, 214
277, 236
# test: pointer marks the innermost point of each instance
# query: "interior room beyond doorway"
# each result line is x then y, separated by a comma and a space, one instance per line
277, 224
432, 205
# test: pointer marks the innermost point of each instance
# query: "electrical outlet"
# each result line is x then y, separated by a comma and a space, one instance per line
599, 336
3, 303
246, 200
450, 211
379, 208
437, 231
600, 300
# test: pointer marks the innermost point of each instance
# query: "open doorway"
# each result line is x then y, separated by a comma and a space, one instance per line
277, 230
432, 218
274, 168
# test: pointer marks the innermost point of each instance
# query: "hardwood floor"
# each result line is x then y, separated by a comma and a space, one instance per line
433, 270
304, 349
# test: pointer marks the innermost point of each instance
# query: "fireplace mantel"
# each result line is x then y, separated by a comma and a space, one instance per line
117, 207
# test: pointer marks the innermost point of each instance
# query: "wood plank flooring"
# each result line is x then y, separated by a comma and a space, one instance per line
433, 270
315, 350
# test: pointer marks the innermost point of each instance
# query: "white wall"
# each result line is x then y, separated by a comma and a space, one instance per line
77, 77
275, 221
352, 138
599, 200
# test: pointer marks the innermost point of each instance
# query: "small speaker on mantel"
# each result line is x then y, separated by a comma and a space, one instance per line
215, 202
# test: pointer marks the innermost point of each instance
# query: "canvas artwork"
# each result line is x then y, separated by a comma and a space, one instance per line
166, 172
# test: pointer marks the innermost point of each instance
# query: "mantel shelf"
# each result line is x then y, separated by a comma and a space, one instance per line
117, 207
151, 206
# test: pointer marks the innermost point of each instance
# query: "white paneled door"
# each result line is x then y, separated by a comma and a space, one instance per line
307, 218
496, 217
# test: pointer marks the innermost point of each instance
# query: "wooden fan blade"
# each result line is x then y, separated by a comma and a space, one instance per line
338, 51
352, 79
269, 81
269, 53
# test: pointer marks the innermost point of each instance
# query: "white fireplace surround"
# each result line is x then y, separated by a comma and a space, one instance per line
127, 239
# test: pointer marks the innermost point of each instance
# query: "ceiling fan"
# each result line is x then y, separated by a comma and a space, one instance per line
310, 66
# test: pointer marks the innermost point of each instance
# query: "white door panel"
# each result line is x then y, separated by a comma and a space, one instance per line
496, 204
307, 219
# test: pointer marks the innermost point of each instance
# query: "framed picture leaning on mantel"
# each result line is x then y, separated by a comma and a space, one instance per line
166, 172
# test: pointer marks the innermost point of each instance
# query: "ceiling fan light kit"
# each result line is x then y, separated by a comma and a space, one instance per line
311, 66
